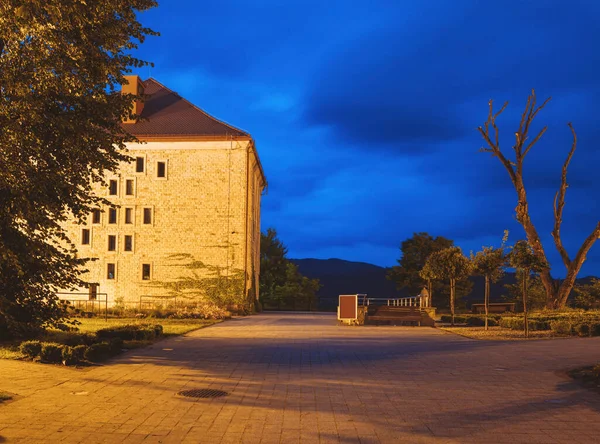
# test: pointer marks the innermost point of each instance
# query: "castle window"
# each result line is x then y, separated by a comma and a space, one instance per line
112, 215
85, 236
128, 215
96, 216
113, 187
147, 216
140, 164
145, 272
129, 187
112, 242
110, 271
128, 246
161, 169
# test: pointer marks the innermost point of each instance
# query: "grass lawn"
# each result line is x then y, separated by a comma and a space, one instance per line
499, 334
171, 327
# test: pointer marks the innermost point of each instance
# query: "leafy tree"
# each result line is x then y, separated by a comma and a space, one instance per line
60, 63
415, 252
273, 264
451, 264
557, 292
587, 295
523, 258
489, 262
281, 283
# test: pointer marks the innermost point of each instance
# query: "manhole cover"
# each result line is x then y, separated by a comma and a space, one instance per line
202, 393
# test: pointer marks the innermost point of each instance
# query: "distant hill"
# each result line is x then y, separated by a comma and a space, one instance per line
338, 276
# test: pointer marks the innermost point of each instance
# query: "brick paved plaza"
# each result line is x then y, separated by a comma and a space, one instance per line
302, 378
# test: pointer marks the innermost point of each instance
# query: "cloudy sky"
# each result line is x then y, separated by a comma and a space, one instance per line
365, 114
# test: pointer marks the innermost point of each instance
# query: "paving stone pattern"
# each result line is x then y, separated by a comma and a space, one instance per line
301, 378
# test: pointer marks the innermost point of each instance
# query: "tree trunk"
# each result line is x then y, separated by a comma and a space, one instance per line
525, 320
430, 288
452, 286
486, 301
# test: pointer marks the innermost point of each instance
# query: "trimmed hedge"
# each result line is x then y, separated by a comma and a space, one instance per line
51, 352
479, 321
98, 352
471, 319
139, 332
31, 349
78, 348
518, 323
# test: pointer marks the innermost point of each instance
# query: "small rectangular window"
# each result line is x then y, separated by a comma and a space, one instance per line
145, 272
112, 215
128, 215
139, 164
95, 216
112, 187
128, 243
110, 271
147, 216
85, 236
112, 242
161, 169
129, 187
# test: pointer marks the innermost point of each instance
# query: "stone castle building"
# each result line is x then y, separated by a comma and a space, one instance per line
188, 218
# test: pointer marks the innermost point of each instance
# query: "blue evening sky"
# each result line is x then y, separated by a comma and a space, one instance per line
365, 114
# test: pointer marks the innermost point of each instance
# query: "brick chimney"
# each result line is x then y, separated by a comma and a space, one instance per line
135, 86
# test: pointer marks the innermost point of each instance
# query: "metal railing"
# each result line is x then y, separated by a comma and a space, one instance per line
79, 303
154, 301
414, 301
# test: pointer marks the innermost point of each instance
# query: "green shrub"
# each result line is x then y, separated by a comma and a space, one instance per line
158, 330
561, 327
98, 352
68, 358
512, 323
79, 352
80, 339
538, 324
116, 345
458, 319
479, 321
51, 352
582, 330
518, 323
142, 332
31, 349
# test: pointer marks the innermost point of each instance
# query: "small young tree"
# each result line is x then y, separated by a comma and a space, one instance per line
489, 262
449, 263
524, 260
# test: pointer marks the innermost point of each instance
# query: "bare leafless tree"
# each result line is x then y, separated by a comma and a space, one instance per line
557, 292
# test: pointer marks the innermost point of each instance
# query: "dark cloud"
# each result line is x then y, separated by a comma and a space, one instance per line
366, 117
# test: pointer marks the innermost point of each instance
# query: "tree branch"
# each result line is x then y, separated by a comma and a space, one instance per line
534, 141
559, 202
494, 148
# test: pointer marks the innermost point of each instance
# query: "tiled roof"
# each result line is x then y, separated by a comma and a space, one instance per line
168, 114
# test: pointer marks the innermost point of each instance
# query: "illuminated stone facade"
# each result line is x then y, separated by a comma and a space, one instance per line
188, 222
